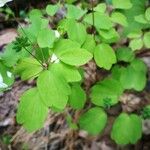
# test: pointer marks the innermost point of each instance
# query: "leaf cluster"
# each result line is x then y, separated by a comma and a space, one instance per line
55, 59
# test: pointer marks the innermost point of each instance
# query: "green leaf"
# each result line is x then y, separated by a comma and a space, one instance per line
6, 77
77, 98
62, 26
53, 89
102, 21
132, 77
31, 110
146, 39
127, 129
135, 34
147, 14
42, 54
122, 4
28, 68
116, 72
52, 9
10, 56
109, 36
139, 65
32, 31
136, 44
35, 14
119, 18
109, 2
141, 19
106, 93
89, 44
70, 73
146, 112
46, 38
76, 31
74, 12
125, 54
76, 57
93, 121
70, 1
138, 8
100, 8
65, 44
65, 50
104, 56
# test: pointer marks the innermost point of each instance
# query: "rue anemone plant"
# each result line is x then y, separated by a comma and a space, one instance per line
110, 34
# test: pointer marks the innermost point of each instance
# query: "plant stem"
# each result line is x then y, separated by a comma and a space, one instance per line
33, 56
93, 19
27, 37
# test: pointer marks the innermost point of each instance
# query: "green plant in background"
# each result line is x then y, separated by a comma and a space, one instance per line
55, 59
8, 13
6, 139
146, 112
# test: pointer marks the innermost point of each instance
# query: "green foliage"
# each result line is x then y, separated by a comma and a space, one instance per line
21, 42
93, 121
70, 73
136, 44
127, 129
74, 12
89, 44
6, 12
102, 21
100, 8
119, 18
146, 112
77, 97
146, 39
106, 93
147, 14
10, 56
133, 76
104, 56
45, 38
77, 33
57, 57
135, 34
125, 54
138, 8
121, 4
6, 77
6, 139
24, 66
70, 53
53, 89
30, 116
109, 36
52, 9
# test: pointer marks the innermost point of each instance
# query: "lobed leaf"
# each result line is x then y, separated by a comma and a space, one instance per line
93, 121
53, 89
28, 68
31, 110
127, 129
